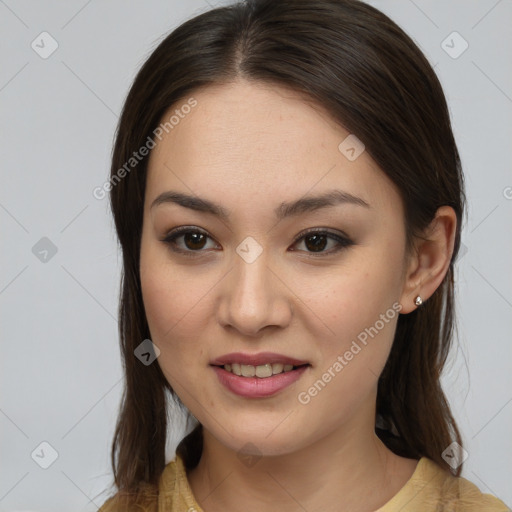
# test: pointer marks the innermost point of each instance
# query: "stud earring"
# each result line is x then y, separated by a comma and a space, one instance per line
418, 301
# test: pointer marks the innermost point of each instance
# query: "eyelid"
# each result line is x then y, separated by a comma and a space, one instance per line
325, 231
340, 237
175, 233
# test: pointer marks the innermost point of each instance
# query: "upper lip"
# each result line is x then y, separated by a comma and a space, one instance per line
256, 359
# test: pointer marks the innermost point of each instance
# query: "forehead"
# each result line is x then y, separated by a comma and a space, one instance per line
255, 141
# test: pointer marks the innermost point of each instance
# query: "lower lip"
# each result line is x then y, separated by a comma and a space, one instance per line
255, 387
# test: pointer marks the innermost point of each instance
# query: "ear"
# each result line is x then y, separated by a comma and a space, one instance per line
430, 260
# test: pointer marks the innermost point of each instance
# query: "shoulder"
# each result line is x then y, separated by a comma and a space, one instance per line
145, 500
457, 494
432, 488
130, 503
464, 496
172, 494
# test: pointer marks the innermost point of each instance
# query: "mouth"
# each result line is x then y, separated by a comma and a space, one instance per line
262, 365
258, 375
261, 371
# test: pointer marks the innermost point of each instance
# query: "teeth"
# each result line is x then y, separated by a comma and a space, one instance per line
248, 371
262, 371
277, 368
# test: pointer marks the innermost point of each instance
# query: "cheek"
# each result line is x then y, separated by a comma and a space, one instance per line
166, 302
351, 297
175, 301
358, 307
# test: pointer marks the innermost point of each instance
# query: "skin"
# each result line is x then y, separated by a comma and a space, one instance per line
249, 147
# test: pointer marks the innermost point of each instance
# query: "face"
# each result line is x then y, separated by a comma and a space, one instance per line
256, 278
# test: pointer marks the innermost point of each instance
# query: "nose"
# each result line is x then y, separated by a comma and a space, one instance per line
254, 297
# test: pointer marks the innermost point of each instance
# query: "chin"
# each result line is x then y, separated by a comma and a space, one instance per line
262, 441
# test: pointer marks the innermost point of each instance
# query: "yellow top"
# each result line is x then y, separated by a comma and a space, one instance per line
430, 489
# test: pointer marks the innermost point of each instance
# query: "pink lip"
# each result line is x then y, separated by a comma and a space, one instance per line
256, 387
256, 359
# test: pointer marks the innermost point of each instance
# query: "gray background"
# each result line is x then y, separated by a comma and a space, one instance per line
60, 364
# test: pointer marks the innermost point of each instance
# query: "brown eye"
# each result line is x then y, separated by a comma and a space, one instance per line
316, 241
194, 240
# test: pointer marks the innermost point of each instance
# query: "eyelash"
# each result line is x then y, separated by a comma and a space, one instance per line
343, 241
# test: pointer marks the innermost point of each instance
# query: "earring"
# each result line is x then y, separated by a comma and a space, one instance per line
418, 301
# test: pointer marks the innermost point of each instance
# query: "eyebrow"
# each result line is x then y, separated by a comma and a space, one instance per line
298, 207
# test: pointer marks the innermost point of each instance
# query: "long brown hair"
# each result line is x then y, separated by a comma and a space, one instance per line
372, 78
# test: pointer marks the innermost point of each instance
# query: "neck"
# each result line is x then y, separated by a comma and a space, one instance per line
348, 470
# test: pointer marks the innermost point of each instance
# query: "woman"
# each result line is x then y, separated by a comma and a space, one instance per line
288, 197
